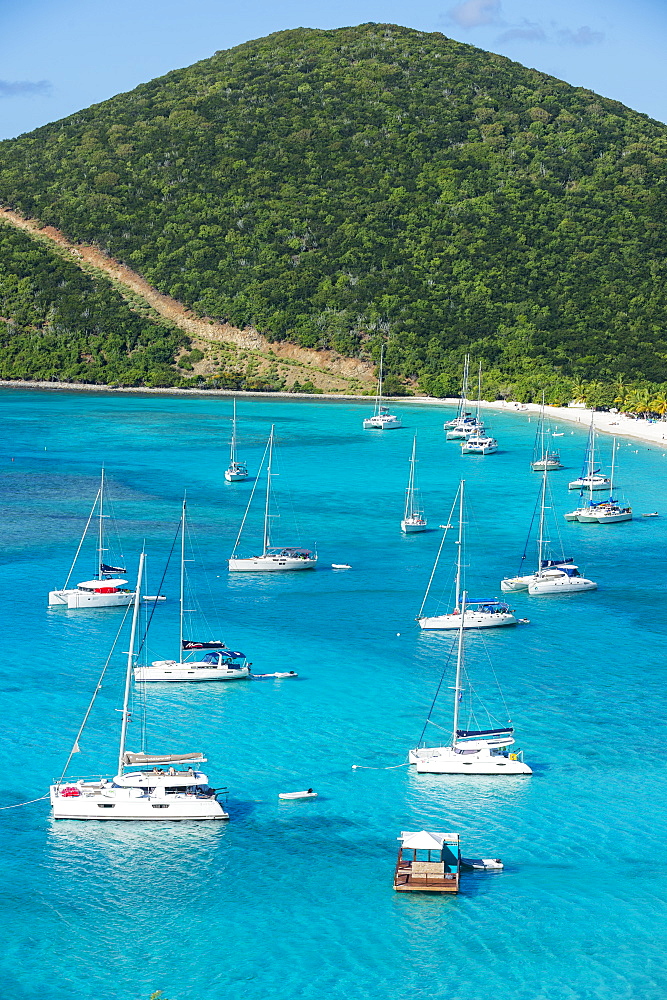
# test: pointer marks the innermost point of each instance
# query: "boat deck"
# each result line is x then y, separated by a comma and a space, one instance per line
424, 877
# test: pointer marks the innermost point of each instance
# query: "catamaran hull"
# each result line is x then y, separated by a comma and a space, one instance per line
551, 466
81, 599
267, 564
568, 585
515, 584
491, 765
135, 809
471, 619
235, 477
585, 484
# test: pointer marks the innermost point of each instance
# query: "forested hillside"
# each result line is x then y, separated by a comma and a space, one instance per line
59, 323
337, 188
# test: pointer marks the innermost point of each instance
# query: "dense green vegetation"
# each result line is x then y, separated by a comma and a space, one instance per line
338, 188
57, 322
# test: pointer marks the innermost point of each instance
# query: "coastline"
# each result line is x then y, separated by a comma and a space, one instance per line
614, 424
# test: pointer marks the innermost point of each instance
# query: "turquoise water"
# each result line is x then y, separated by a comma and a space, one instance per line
296, 900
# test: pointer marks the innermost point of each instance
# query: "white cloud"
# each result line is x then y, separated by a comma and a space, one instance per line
475, 13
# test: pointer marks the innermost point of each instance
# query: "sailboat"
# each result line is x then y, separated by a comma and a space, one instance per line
591, 478
237, 471
382, 419
543, 457
273, 558
217, 664
603, 511
478, 614
413, 516
552, 576
106, 589
464, 423
470, 751
166, 786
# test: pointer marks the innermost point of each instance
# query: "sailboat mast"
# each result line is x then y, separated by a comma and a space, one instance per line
410, 495
100, 536
267, 534
130, 659
592, 465
543, 501
464, 387
479, 390
459, 545
459, 666
613, 469
182, 585
378, 395
232, 450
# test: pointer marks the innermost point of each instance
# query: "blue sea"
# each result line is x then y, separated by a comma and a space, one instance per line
295, 900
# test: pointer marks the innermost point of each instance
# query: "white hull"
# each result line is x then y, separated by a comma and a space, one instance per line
382, 423
551, 466
169, 670
104, 800
471, 619
410, 526
444, 760
462, 433
573, 515
470, 448
515, 584
585, 517
235, 477
598, 483
270, 564
84, 599
614, 518
561, 584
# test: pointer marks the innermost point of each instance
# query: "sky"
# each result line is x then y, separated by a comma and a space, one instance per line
58, 56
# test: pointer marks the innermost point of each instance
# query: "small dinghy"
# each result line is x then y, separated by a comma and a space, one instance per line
284, 673
154, 597
340, 566
308, 794
483, 864
652, 514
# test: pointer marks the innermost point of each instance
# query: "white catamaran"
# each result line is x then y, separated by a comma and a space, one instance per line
273, 559
591, 478
607, 511
470, 751
477, 614
382, 419
146, 786
106, 589
237, 471
413, 515
217, 664
543, 457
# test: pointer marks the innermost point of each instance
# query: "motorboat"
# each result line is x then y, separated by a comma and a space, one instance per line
218, 663
478, 614
413, 515
237, 471
382, 419
470, 751
147, 786
107, 589
308, 794
273, 558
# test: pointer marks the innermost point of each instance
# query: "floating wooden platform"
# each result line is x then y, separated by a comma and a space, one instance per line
411, 877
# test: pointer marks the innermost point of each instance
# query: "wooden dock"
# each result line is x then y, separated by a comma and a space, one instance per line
424, 876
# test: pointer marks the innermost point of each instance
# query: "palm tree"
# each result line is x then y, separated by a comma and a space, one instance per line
659, 404
580, 392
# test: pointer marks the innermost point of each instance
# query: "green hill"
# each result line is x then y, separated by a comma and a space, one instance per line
336, 188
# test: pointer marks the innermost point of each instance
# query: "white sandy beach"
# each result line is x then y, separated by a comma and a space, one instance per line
616, 424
